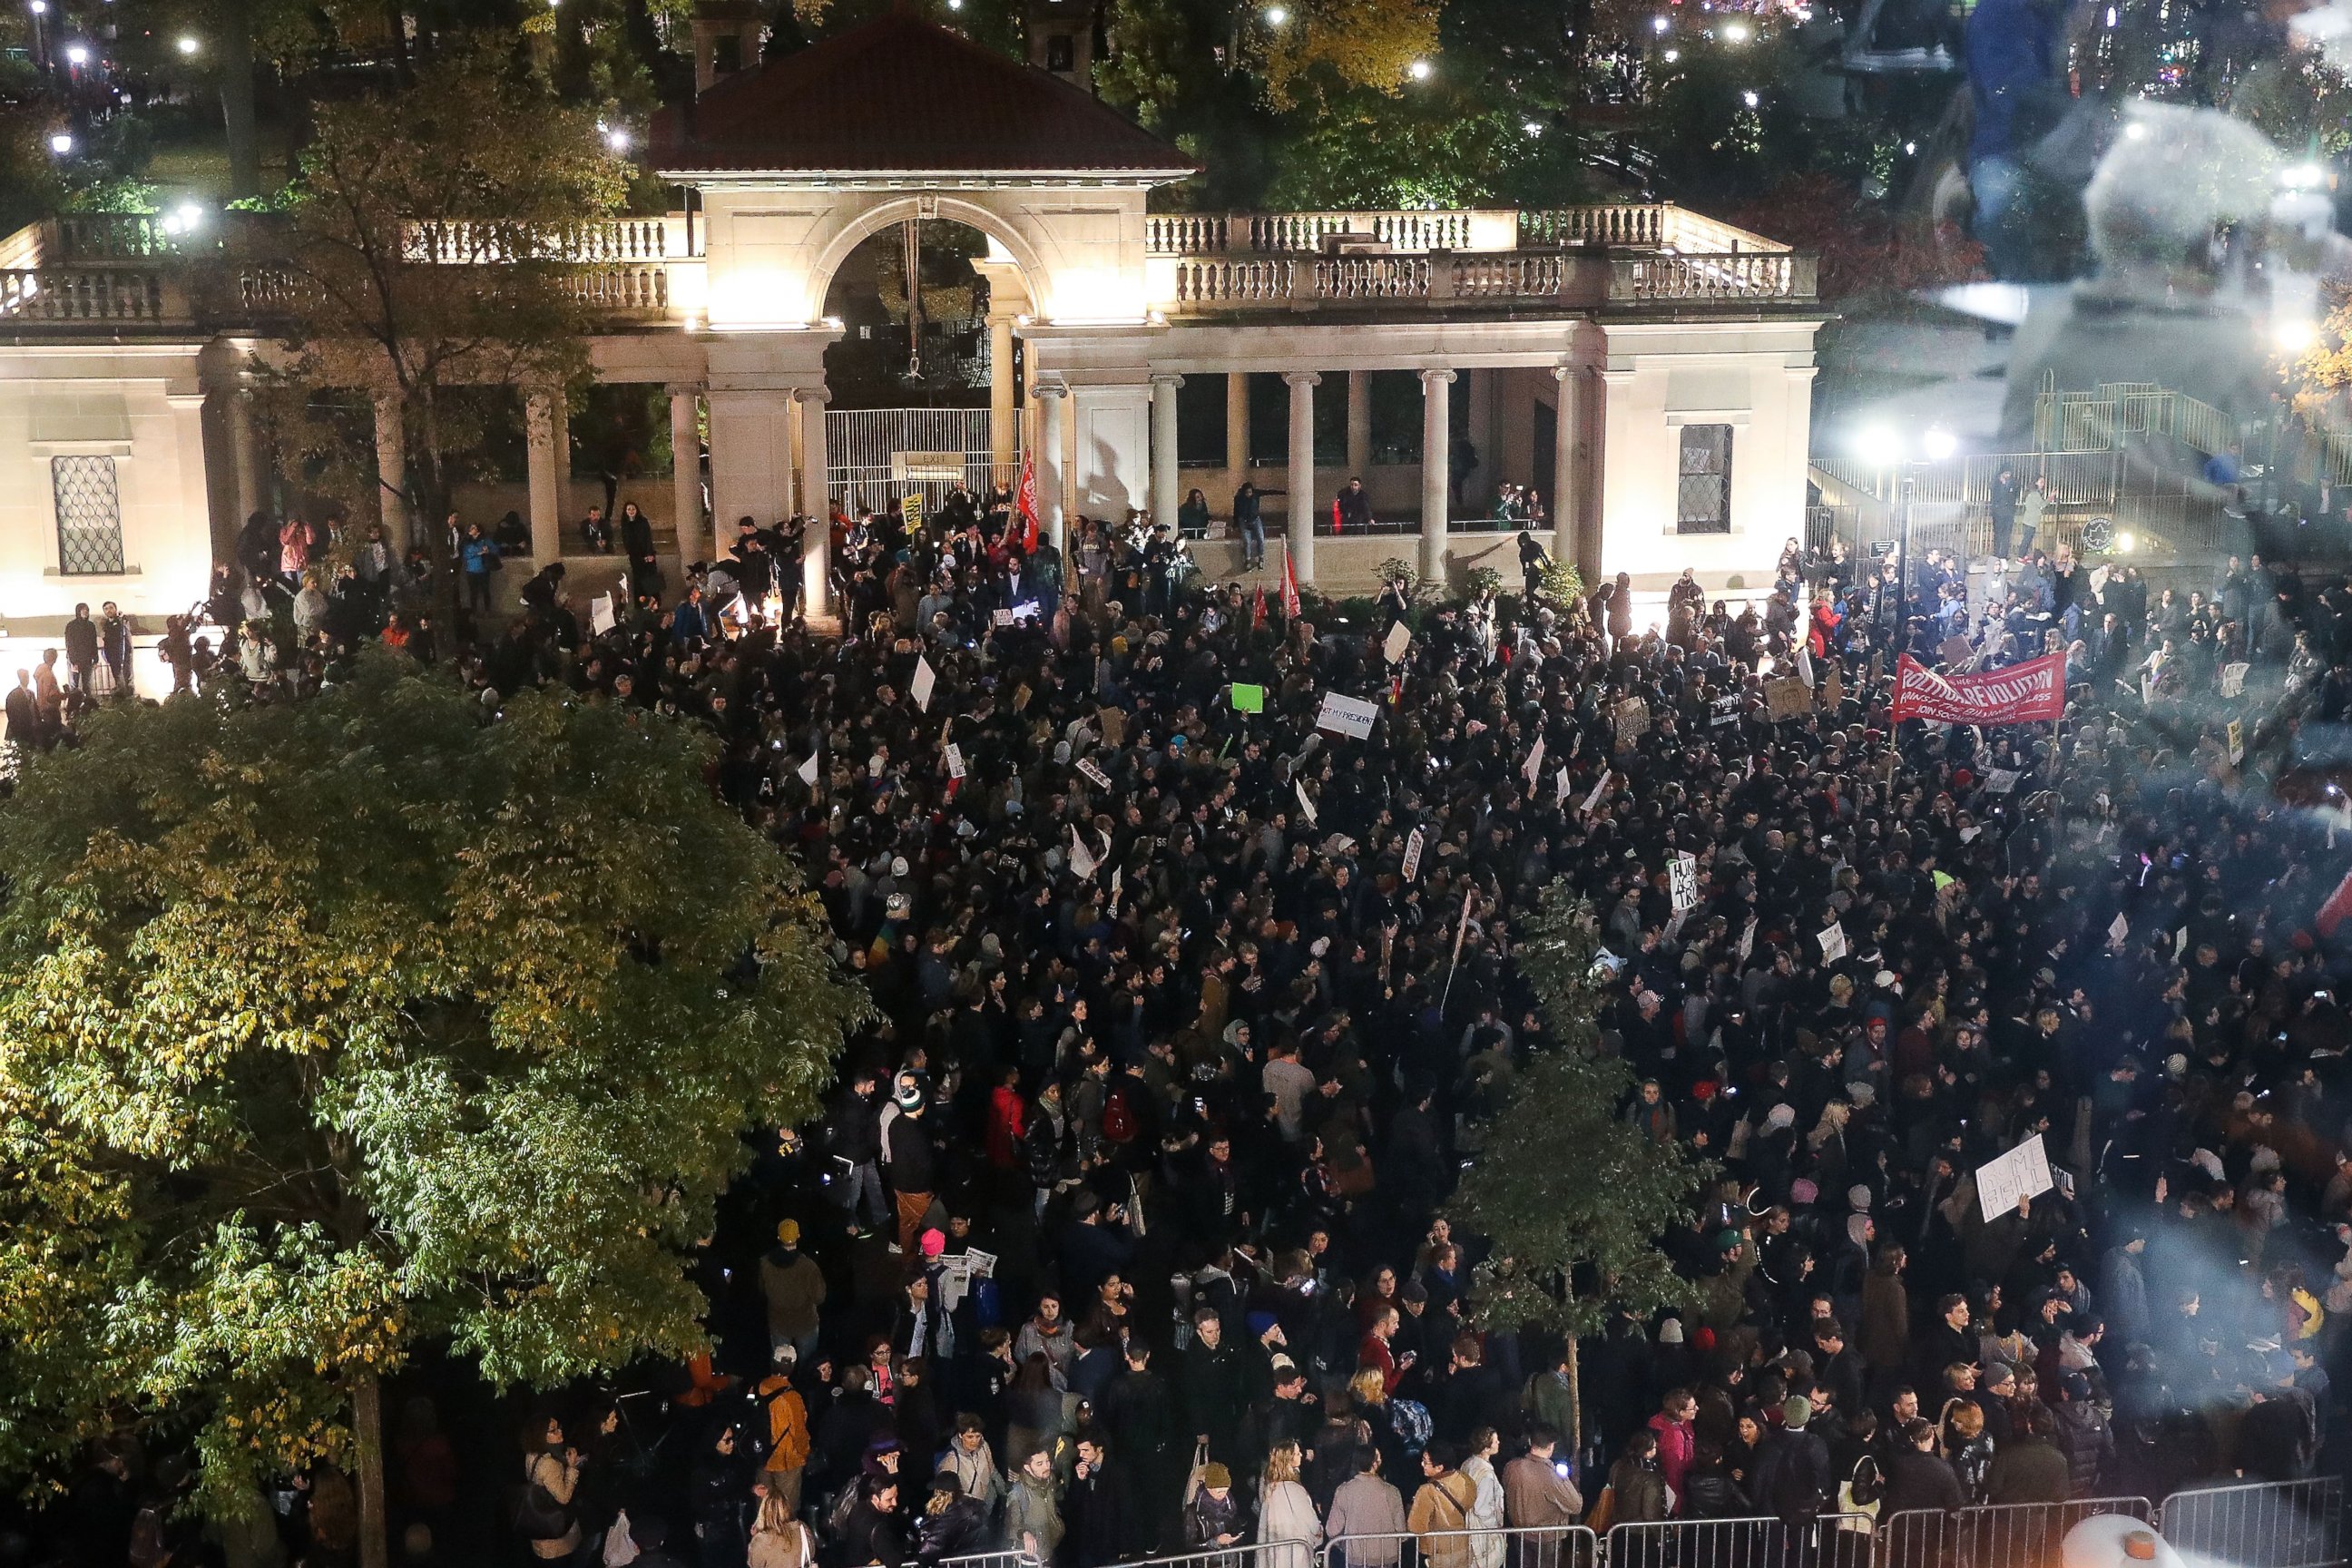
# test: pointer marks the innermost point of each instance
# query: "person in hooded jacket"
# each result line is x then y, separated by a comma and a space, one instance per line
721, 1495
952, 1524
1917, 1477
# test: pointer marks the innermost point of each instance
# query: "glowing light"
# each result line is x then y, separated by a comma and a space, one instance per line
2295, 335
1910, 149
1419, 70
2303, 177
1673, 55
1749, 97
61, 144
2125, 544
77, 54
1659, 23
1533, 127
617, 139
39, 7
1276, 15
1878, 444
190, 44
1735, 32
2136, 130
1940, 444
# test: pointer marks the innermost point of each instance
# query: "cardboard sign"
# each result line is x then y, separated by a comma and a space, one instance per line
1248, 698
1400, 638
1099, 779
1632, 717
1788, 697
2118, 929
1114, 726
1877, 666
2237, 741
2023, 1172
2233, 679
925, 681
1832, 688
1000, 618
1681, 881
1347, 716
910, 507
1413, 847
1724, 709
1804, 662
1954, 649
1833, 940
599, 616
2000, 781
955, 761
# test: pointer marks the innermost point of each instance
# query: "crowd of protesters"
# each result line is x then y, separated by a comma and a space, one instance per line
1125, 1230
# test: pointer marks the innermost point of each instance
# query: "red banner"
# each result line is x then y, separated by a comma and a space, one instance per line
2021, 694
1024, 503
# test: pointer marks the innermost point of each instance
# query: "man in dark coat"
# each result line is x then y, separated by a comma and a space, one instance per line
1793, 1478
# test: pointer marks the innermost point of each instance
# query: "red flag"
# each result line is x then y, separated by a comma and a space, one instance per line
1258, 608
2337, 907
1024, 503
1289, 589
2020, 694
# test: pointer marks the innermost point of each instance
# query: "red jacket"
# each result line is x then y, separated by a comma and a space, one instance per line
1007, 1119
1674, 1452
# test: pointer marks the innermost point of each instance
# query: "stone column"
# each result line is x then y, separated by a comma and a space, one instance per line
1436, 438
543, 419
686, 476
1166, 490
1050, 397
1000, 399
1360, 425
247, 452
392, 473
1237, 450
1302, 472
1566, 503
816, 491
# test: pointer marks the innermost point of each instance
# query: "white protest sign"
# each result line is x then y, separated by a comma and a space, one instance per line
955, 761
1413, 847
1082, 859
1747, 941
1833, 940
1306, 806
2023, 1172
2000, 781
2237, 741
2233, 679
1559, 785
1682, 878
1593, 799
1118, 875
2181, 941
600, 614
808, 771
1534, 768
1001, 618
1094, 775
926, 678
1400, 638
1347, 716
2118, 929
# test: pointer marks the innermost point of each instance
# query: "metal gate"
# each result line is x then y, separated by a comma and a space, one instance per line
881, 456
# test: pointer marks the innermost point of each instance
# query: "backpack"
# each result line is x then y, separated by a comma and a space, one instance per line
1409, 1419
1119, 1117
837, 1521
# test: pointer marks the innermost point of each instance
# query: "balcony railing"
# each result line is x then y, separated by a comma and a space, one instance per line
1659, 279
467, 242
1403, 230
67, 294
1212, 285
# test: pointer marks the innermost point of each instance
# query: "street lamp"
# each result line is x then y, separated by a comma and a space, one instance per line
1419, 70
77, 54
1276, 15
1735, 32
189, 43
61, 144
1940, 444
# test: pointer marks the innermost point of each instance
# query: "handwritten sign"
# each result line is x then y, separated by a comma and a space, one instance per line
1347, 716
925, 681
599, 616
1632, 717
2023, 1172
1413, 847
1094, 775
1400, 638
2234, 679
1248, 698
1788, 697
1833, 940
955, 761
1681, 881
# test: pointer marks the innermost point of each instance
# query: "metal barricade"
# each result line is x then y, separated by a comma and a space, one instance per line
1243, 1554
2264, 1524
991, 1559
1998, 1535
1831, 1540
1525, 1546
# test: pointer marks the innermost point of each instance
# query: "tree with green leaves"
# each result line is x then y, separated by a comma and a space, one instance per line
329, 1027
1572, 1197
422, 253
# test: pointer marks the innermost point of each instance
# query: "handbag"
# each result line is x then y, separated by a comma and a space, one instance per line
1604, 1511
537, 1515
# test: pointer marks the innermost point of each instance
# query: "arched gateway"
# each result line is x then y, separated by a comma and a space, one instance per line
1646, 369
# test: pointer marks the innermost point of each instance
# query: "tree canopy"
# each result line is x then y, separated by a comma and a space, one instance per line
1572, 1196
327, 1027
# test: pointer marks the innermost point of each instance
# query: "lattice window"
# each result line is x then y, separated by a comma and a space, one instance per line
90, 516
1702, 492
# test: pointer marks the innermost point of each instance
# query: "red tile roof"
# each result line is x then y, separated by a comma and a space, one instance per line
900, 94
